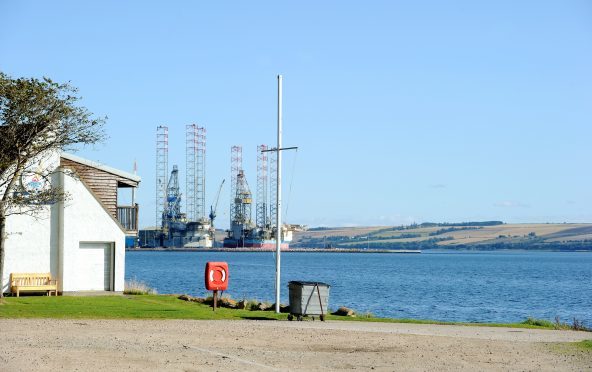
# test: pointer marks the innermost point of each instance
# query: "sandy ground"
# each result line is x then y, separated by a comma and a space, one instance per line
187, 345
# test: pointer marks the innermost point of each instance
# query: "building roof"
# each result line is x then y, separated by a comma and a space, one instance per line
102, 167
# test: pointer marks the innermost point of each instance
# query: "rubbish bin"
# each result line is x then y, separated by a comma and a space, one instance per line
308, 298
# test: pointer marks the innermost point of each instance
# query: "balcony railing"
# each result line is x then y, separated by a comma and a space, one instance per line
128, 217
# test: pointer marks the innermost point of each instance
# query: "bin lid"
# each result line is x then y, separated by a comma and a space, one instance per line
303, 283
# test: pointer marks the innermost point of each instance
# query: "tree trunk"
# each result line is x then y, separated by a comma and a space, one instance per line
2, 239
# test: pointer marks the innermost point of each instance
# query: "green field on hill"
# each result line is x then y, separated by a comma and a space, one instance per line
485, 235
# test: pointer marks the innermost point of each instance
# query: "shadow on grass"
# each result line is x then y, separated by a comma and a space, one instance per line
257, 318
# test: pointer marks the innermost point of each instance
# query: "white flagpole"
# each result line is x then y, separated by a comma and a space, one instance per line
278, 238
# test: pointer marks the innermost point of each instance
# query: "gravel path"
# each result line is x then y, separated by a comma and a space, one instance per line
187, 345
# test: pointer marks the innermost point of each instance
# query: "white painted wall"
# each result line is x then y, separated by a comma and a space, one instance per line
51, 241
85, 220
32, 242
29, 246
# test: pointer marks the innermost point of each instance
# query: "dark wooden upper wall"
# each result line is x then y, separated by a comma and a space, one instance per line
103, 184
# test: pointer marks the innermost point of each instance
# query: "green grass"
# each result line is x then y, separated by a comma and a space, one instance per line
120, 307
558, 324
169, 307
362, 318
586, 345
571, 348
539, 322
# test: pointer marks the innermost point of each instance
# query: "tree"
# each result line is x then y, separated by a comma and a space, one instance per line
37, 117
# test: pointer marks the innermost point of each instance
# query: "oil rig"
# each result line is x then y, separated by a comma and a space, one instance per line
243, 231
193, 228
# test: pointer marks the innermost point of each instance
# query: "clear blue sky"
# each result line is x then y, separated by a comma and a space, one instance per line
403, 111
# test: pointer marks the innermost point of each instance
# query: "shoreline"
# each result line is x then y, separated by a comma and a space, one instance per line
352, 250
295, 250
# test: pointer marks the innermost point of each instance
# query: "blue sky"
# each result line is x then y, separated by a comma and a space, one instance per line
403, 110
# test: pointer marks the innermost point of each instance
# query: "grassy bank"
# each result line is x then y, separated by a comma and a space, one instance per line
571, 348
169, 307
119, 307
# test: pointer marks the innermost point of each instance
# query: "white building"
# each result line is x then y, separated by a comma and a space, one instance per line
81, 241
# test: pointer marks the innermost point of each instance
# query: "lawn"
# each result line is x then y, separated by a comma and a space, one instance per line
120, 307
170, 307
585, 345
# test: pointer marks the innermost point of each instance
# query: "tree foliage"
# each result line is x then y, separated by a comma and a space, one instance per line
37, 117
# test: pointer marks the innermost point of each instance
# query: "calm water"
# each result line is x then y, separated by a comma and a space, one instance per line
472, 287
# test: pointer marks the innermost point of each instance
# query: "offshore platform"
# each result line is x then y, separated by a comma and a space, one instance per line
243, 231
192, 229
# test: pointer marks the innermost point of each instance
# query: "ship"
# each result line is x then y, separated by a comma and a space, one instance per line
238, 237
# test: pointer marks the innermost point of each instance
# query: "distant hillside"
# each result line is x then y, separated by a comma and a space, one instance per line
486, 235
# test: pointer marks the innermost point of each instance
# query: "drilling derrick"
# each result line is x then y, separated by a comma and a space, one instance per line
272, 188
236, 165
198, 232
200, 192
242, 200
162, 165
190, 160
262, 180
241, 226
195, 156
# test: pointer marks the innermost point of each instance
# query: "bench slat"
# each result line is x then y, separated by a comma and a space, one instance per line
34, 287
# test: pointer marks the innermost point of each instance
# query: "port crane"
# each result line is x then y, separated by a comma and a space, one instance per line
214, 207
172, 218
173, 208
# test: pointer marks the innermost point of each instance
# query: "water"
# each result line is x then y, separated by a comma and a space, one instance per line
469, 287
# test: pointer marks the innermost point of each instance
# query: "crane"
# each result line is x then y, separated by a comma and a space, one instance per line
172, 218
172, 212
214, 207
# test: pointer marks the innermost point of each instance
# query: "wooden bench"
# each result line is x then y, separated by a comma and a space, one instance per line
33, 282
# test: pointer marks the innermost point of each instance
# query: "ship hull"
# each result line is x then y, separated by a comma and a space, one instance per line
263, 244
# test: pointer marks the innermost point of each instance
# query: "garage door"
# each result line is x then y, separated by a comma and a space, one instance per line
95, 266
